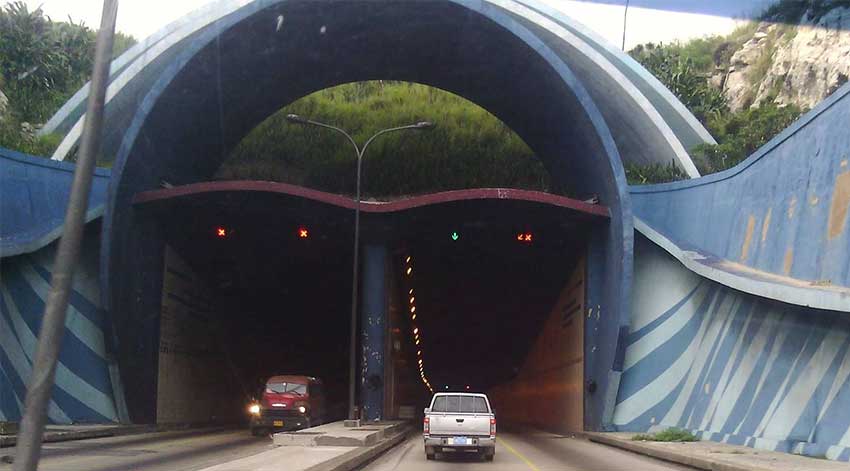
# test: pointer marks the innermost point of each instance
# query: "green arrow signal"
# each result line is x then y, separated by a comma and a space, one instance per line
455, 236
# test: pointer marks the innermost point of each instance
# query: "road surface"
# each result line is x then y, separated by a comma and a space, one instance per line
530, 451
165, 451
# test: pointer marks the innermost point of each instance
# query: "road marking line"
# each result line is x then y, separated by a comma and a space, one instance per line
519, 455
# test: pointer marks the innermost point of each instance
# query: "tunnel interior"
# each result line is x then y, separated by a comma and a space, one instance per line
281, 283
485, 277
485, 280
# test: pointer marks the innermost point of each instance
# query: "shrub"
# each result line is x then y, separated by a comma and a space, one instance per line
740, 134
42, 63
671, 434
653, 173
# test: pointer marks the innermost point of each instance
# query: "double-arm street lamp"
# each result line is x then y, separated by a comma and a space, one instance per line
360, 151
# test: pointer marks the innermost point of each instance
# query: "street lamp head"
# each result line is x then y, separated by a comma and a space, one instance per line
424, 125
294, 118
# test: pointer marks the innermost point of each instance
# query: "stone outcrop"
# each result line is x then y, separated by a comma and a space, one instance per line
790, 64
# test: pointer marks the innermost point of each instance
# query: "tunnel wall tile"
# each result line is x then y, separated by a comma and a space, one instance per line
548, 391
194, 383
733, 367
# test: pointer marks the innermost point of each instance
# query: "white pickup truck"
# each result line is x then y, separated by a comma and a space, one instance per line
460, 422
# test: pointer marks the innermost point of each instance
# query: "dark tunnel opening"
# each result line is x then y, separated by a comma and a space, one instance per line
481, 300
497, 297
280, 287
486, 279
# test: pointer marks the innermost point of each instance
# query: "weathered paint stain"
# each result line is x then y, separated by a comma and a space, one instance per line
792, 206
840, 204
766, 224
789, 260
745, 249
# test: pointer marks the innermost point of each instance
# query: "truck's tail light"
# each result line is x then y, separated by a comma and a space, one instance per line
492, 428
426, 426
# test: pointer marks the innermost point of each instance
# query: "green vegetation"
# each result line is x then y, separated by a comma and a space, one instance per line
468, 148
669, 435
790, 11
653, 173
42, 63
740, 134
685, 69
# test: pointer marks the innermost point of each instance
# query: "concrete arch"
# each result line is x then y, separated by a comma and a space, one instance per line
649, 124
182, 130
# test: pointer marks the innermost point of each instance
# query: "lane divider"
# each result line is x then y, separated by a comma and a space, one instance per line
519, 455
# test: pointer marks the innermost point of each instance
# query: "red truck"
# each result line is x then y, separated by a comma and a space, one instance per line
288, 402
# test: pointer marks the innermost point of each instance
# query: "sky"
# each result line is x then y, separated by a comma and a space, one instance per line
648, 20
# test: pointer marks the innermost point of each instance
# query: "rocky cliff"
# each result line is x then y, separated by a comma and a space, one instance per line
790, 63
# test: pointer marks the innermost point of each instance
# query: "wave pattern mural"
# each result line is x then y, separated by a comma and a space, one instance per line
733, 367
83, 390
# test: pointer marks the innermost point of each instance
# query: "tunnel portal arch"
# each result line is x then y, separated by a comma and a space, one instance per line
268, 53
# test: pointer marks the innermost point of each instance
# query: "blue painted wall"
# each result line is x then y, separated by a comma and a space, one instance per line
373, 336
84, 390
784, 210
733, 367
33, 197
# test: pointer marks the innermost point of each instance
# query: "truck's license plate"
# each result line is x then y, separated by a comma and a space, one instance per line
461, 441
278, 423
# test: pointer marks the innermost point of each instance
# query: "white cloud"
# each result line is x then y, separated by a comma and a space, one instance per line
141, 18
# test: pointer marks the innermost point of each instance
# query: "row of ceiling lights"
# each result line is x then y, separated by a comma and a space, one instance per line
417, 334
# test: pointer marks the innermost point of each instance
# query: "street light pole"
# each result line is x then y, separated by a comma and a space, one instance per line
360, 151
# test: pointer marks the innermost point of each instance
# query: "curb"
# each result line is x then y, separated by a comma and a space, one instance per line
359, 456
315, 437
666, 455
8, 441
53, 437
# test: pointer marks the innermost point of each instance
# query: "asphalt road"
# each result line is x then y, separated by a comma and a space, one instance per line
164, 451
535, 451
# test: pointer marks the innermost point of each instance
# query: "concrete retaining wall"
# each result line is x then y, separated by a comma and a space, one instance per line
785, 210
733, 367
84, 389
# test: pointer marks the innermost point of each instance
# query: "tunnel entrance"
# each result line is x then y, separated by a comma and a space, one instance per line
489, 270
495, 304
252, 287
245, 66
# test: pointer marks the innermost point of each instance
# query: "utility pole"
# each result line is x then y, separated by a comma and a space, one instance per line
625, 17
40, 386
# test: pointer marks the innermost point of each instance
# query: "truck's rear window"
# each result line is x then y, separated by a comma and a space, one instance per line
296, 388
460, 404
